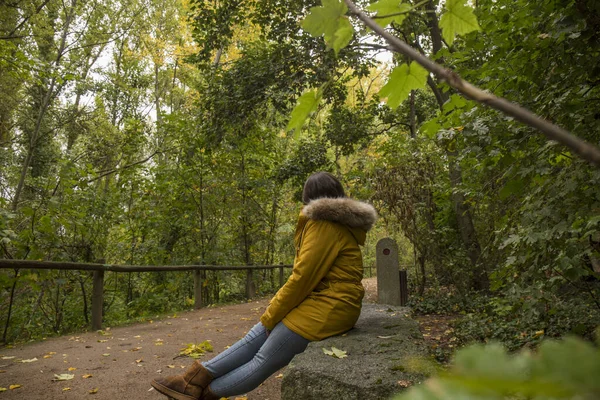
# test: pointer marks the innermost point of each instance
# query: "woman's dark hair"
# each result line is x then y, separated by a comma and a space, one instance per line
322, 184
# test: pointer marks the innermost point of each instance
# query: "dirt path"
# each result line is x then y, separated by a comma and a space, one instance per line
119, 363
123, 360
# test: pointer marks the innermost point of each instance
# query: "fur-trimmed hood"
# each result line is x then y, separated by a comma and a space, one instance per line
346, 211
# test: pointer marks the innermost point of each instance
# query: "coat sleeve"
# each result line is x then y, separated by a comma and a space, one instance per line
318, 251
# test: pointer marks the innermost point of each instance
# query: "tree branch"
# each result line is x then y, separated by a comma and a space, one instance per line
579, 146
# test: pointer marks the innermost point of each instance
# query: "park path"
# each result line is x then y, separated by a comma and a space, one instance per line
119, 363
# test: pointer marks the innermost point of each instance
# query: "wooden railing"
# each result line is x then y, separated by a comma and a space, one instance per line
99, 269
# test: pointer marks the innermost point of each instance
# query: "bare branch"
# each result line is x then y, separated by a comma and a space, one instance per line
585, 150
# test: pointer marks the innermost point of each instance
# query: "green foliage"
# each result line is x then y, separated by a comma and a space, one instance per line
330, 21
566, 369
402, 80
389, 11
458, 19
307, 104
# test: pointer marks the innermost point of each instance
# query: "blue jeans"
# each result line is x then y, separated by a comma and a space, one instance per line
251, 360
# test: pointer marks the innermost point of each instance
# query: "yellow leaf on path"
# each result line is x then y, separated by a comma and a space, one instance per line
2, 371
13, 387
241, 398
63, 377
279, 376
102, 340
47, 356
66, 389
30, 360
137, 336
72, 368
106, 354
139, 361
86, 376
8, 357
3, 389
93, 391
170, 366
538, 334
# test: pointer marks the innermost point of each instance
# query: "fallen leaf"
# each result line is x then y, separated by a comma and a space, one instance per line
63, 377
2, 371
30, 360
170, 366
13, 387
241, 398
139, 361
47, 356
102, 340
93, 391
196, 350
384, 337
86, 376
279, 376
106, 354
136, 349
72, 369
137, 336
8, 357
3, 389
66, 389
335, 352
404, 384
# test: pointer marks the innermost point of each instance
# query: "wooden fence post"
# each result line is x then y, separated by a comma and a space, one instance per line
388, 282
250, 288
198, 288
403, 287
97, 299
281, 280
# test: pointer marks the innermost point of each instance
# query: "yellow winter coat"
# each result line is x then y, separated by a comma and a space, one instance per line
323, 296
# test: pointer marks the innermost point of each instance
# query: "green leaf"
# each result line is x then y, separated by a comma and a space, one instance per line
457, 20
307, 104
396, 10
343, 35
330, 21
403, 79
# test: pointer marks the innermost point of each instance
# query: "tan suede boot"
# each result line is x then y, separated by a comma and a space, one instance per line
188, 386
207, 394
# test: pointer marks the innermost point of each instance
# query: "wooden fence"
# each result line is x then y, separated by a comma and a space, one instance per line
99, 269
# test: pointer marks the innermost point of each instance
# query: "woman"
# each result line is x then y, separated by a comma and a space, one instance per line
321, 298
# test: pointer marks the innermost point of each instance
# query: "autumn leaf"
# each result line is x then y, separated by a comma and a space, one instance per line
86, 376
63, 377
71, 369
335, 352
93, 391
106, 354
404, 384
194, 350
30, 360
3, 389
13, 387
66, 389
